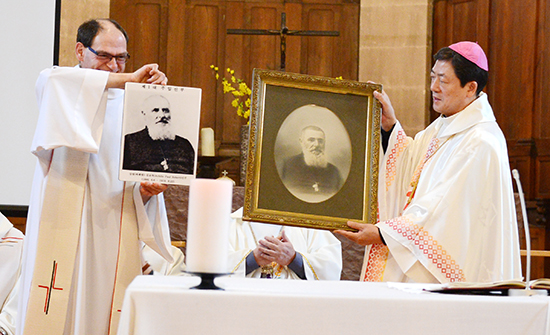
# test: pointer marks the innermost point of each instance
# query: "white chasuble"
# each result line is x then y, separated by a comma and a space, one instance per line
320, 250
11, 249
77, 114
446, 204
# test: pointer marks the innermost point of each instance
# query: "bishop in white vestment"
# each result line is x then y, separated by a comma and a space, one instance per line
446, 205
79, 115
318, 251
11, 249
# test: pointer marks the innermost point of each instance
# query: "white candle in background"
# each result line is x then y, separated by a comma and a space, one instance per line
207, 142
208, 225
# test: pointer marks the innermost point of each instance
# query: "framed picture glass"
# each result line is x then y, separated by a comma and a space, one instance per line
313, 151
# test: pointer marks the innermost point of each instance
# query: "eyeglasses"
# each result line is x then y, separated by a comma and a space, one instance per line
106, 57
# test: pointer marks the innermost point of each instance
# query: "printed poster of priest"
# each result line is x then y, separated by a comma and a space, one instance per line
160, 134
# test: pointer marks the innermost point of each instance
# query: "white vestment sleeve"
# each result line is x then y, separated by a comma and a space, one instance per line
8, 314
153, 224
71, 102
239, 245
161, 266
413, 270
322, 255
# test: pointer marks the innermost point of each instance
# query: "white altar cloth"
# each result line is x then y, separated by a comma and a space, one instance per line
166, 305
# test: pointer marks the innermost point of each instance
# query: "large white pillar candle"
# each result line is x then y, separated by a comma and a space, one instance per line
207, 142
208, 225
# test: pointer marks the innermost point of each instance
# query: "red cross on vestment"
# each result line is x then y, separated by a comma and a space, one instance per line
50, 288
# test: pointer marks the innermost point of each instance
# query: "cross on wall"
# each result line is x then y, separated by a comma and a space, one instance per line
283, 33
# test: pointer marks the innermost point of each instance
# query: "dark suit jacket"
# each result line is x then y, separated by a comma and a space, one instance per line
143, 153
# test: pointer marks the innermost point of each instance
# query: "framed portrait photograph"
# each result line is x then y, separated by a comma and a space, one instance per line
313, 151
160, 131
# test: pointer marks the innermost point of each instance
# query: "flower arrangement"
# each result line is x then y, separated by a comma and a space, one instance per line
238, 89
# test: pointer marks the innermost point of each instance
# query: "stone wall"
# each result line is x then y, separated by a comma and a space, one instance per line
74, 13
395, 51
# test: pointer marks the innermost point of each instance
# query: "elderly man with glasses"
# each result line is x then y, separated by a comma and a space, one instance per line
83, 246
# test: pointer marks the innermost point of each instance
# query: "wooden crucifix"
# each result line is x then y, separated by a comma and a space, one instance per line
283, 32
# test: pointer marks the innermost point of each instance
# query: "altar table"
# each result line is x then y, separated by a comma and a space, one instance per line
166, 305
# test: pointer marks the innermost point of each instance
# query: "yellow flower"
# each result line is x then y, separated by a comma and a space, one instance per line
242, 87
238, 89
227, 87
237, 93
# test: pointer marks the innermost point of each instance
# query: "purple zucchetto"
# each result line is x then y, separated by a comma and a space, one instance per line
472, 52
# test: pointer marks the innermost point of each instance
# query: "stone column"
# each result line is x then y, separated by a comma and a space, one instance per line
74, 13
395, 51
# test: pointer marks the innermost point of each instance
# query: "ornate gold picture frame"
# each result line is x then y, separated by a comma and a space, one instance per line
313, 151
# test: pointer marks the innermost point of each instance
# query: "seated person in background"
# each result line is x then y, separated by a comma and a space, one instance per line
11, 249
258, 250
154, 264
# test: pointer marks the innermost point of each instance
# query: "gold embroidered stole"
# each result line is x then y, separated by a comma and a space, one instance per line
433, 147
